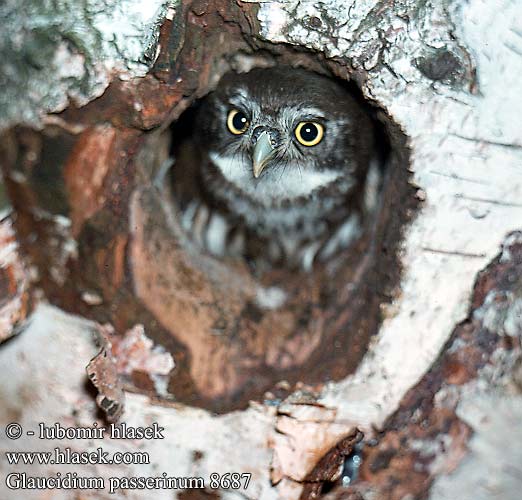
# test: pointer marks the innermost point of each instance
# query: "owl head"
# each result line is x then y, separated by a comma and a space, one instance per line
282, 133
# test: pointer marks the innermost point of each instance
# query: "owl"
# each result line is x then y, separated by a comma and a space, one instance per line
280, 169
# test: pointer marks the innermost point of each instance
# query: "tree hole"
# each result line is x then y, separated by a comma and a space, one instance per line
269, 317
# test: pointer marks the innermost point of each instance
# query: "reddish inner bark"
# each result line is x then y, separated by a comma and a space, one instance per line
227, 349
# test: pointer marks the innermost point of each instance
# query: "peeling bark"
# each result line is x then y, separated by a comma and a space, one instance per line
418, 370
122, 257
15, 301
103, 373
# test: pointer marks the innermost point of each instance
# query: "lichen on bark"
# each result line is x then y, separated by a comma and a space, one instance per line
60, 52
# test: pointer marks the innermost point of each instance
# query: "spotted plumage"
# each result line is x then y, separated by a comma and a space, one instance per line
281, 175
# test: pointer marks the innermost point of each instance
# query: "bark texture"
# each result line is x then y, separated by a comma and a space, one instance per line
427, 408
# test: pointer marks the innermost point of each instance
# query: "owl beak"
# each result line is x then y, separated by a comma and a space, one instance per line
263, 153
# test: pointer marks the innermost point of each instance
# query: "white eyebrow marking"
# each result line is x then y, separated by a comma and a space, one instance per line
240, 95
241, 98
243, 92
311, 111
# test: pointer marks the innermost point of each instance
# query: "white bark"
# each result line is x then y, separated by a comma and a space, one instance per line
60, 52
467, 162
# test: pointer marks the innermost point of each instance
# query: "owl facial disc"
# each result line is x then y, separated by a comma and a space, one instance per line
263, 153
281, 155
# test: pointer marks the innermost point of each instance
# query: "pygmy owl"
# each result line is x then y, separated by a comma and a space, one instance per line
283, 156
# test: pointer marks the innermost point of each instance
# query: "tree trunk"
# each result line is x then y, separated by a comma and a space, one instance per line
394, 372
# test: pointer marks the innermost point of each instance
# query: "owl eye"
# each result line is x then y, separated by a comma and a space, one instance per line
309, 133
237, 122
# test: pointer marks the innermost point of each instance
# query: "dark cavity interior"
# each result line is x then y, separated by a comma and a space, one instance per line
330, 308
238, 326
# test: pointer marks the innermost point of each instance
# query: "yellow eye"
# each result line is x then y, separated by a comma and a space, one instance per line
237, 122
309, 133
